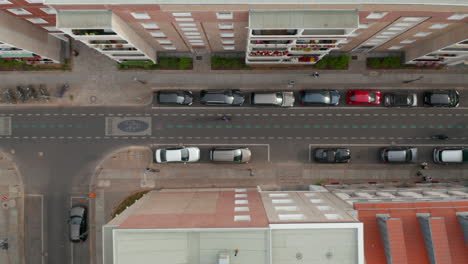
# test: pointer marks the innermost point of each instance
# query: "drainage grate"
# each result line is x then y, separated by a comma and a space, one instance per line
199, 57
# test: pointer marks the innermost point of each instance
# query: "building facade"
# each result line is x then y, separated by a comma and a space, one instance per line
271, 32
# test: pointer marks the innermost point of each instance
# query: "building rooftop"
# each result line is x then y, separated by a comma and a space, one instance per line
86, 19
199, 209
307, 207
415, 232
252, 2
313, 19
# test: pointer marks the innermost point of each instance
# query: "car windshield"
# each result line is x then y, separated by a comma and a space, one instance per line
184, 154
163, 155
75, 220
329, 155
372, 97
237, 155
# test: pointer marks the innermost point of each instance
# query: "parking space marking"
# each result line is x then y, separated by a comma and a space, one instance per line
71, 204
42, 223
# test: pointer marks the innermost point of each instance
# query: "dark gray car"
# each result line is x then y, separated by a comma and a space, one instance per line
399, 154
443, 98
319, 97
332, 155
175, 97
222, 97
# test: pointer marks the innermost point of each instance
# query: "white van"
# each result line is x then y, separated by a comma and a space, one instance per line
283, 99
450, 155
235, 155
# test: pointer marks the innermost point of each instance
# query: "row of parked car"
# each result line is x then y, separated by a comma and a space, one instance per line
192, 154
393, 155
438, 98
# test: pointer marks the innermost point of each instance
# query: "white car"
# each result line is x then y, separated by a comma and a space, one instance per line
179, 154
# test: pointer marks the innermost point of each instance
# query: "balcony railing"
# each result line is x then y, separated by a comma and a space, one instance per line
274, 32
92, 32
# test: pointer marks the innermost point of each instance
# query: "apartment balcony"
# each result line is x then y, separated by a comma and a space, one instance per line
92, 32
274, 32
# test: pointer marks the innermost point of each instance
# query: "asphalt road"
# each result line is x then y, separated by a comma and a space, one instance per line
57, 149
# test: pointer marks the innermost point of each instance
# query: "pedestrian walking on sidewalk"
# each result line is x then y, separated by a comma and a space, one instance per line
419, 174
316, 75
423, 165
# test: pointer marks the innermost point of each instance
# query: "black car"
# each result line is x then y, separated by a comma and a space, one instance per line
319, 97
442, 98
175, 97
400, 100
222, 97
78, 222
332, 155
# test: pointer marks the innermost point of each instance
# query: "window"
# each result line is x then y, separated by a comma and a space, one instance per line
37, 20
19, 11
413, 19
354, 34
395, 28
164, 41
49, 11
228, 47
51, 29
364, 25
35, 1
194, 37
438, 26
422, 34
189, 29
227, 35
192, 33
169, 47
187, 19
376, 15
389, 33
182, 14
344, 41
5, 2
241, 209
381, 36
457, 16
238, 218
197, 44
224, 15
187, 25
149, 25
395, 47
402, 24
407, 41
228, 41
158, 34
195, 40
226, 25
140, 15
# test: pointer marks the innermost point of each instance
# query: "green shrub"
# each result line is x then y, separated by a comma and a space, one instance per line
185, 63
374, 62
128, 201
228, 63
328, 62
387, 62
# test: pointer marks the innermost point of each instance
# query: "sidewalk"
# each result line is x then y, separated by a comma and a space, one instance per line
11, 212
95, 79
124, 172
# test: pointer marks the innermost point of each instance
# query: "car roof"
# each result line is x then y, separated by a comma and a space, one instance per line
397, 154
453, 155
317, 96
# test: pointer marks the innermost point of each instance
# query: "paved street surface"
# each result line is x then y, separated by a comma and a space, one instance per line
59, 148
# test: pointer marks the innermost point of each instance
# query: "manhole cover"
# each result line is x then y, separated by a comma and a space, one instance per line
199, 57
354, 57
133, 126
92, 99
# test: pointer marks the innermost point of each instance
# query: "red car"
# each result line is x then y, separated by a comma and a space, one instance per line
363, 97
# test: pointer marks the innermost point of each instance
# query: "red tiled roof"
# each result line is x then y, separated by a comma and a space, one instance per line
397, 241
440, 240
414, 242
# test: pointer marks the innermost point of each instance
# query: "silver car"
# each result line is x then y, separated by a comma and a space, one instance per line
78, 223
235, 155
282, 99
399, 154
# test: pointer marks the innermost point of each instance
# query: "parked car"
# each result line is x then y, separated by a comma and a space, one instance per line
363, 97
175, 97
78, 222
282, 99
319, 97
222, 97
178, 154
399, 154
442, 98
400, 100
332, 155
450, 155
236, 155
